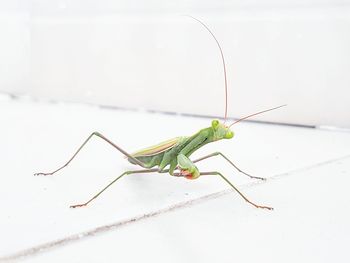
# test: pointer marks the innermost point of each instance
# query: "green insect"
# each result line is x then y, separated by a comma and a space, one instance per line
172, 156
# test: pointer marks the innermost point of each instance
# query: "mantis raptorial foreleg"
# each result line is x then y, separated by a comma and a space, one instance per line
227, 159
187, 167
85, 142
116, 179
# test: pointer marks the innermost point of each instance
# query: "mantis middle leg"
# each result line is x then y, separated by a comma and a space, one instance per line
85, 142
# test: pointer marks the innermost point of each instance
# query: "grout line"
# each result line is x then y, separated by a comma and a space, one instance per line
15, 96
101, 229
19, 96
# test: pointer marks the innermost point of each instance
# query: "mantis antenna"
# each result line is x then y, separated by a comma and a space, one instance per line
222, 57
225, 77
257, 113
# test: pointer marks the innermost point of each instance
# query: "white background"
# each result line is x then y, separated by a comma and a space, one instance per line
141, 54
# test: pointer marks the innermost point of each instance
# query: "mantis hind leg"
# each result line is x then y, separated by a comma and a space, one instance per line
228, 160
236, 189
85, 142
116, 179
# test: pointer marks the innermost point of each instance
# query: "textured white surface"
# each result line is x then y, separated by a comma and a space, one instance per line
309, 170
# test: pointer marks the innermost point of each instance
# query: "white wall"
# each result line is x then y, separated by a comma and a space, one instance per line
141, 54
14, 46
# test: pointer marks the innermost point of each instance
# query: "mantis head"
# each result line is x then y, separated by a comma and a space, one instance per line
221, 131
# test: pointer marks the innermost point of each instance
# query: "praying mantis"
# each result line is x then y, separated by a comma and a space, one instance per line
173, 156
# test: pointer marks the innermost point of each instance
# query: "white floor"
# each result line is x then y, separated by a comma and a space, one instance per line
159, 218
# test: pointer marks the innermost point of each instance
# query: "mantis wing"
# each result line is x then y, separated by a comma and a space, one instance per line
159, 148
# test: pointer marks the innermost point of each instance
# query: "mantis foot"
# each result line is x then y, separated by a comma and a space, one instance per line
43, 174
263, 207
79, 205
256, 177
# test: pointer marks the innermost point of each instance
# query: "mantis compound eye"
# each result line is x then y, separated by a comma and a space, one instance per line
229, 134
215, 124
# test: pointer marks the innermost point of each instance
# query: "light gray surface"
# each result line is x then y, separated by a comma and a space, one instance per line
309, 193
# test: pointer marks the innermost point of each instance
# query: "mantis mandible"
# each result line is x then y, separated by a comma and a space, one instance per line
172, 156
